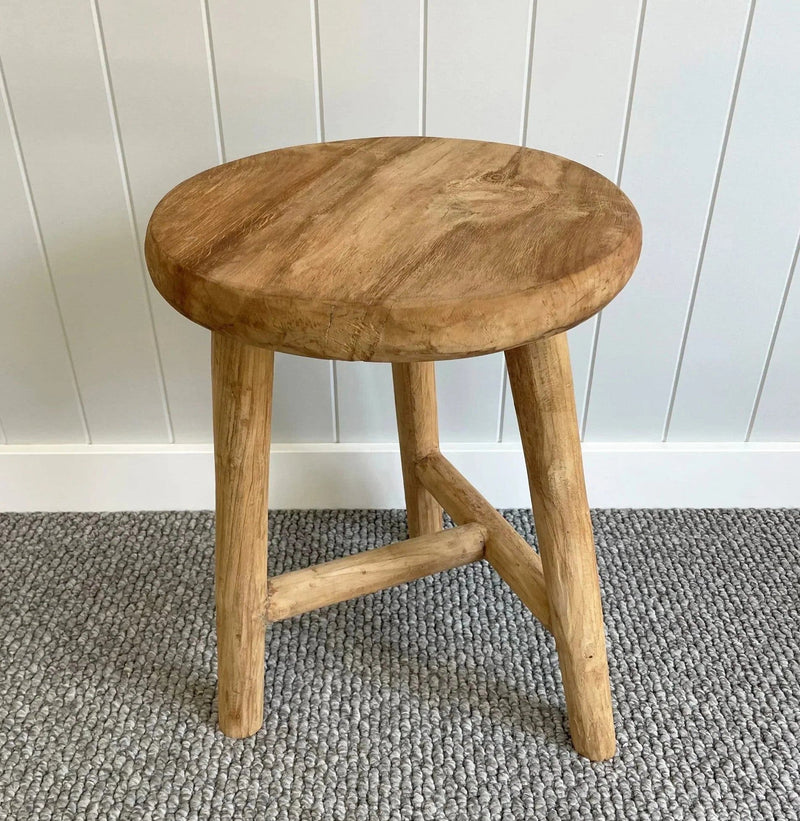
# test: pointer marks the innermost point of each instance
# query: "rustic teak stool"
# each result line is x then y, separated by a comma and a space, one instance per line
404, 250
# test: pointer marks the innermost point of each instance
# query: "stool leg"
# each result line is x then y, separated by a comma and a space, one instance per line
242, 398
541, 384
418, 430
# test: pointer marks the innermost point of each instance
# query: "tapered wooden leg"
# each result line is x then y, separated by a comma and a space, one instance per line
418, 430
242, 397
541, 383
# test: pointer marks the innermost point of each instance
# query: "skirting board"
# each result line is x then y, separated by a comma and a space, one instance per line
181, 477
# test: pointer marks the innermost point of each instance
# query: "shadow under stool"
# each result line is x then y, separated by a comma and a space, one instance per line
406, 250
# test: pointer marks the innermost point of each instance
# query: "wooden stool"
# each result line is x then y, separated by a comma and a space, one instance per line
404, 250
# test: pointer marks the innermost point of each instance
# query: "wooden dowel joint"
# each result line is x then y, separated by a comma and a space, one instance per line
513, 558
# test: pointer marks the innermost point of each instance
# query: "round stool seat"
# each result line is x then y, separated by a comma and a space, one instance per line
393, 249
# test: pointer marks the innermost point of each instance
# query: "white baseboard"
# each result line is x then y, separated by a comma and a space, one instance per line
181, 477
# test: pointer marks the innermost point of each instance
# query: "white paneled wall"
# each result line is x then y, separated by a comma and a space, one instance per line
752, 239
578, 107
693, 107
56, 76
686, 71
166, 137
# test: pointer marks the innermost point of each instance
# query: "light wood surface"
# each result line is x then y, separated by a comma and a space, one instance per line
341, 579
242, 396
541, 385
513, 558
393, 248
418, 431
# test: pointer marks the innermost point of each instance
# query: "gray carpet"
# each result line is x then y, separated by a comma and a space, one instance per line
439, 699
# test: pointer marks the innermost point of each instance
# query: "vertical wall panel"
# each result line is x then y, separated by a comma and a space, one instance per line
476, 77
579, 80
476, 68
265, 74
263, 58
577, 107
687, 67
366, 402
370, 68
302, 401
38, 401
159, 74
57, 88
778, 413
752, 237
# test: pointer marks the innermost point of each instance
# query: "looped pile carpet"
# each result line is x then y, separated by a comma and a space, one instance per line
435, 700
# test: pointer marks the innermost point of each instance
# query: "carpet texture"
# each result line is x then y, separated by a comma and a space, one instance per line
438, 699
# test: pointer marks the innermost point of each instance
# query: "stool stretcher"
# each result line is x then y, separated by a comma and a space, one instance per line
511, 556
300, 591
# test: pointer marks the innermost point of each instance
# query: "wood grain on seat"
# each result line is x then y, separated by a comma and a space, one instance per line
393, 249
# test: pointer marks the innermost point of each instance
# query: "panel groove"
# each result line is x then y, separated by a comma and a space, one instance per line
587, 393
631, 92
265, 70
317, 56
707, 227
374, 68
503, 403
526, 84
37, 229
213, 82
126, 187
523, 139
335, 403
423, 66
477, 66
772, 340
316, 51
618, 179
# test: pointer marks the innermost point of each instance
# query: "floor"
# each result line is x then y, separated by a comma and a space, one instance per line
438, 699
